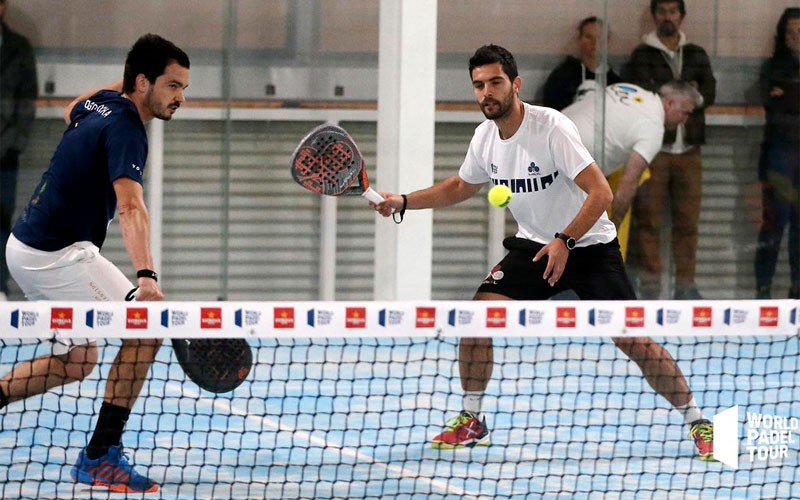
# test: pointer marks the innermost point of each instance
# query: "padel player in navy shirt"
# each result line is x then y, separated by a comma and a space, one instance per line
75, 200
54, 249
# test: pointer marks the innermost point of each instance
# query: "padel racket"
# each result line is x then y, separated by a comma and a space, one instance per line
216, 365
327, 161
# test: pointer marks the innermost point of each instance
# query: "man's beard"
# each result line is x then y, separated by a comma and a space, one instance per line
160, 113
503, 108
667, 28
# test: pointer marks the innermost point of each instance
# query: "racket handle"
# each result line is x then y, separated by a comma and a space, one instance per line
373, 196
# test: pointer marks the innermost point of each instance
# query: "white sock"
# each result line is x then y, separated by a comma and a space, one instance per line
690, 411
473, 402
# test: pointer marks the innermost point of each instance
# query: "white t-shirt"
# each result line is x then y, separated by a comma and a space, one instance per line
634, 121
539, 163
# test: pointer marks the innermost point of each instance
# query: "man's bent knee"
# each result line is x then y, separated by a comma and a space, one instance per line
79, 361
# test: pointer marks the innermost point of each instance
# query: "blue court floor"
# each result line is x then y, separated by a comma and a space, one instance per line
353, 419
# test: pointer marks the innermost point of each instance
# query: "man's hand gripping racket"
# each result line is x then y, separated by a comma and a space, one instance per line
327, 161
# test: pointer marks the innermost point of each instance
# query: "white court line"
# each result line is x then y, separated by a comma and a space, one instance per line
224, 405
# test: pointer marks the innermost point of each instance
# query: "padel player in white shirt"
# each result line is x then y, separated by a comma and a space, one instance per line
564, 241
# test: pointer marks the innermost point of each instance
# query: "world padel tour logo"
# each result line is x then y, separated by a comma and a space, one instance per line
600, 316
211, 317
766, 438
668, 316
21, 318
734, 316
387, 317
173, 317
246, 317
319, 317
530, 317
136, 318
98, 318
459, 317
426, 317
283, 317
495, 317
355, 317
565, 317
61, 318
794, 316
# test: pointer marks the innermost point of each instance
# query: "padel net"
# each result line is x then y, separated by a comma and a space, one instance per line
343, 399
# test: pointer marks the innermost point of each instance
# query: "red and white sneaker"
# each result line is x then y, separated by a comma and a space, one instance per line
463, 431
703, 434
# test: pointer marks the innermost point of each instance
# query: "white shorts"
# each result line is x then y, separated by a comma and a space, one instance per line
77, 272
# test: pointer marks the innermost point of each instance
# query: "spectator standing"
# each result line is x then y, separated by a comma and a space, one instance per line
576, 75
779, 163
676, 172
18, 93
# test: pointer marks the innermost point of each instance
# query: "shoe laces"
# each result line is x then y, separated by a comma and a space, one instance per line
704, 430
124, 463
459, 420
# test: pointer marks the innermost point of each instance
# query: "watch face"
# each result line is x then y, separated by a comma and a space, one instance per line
570, 243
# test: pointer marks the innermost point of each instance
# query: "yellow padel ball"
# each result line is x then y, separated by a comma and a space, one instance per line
499, 196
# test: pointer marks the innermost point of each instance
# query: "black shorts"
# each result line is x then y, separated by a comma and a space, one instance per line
596, 272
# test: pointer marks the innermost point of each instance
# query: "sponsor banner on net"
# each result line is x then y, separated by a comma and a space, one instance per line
765, 437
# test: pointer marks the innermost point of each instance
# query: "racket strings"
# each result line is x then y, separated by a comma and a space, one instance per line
328, 165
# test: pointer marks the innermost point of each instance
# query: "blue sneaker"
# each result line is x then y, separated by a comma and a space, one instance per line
111, 471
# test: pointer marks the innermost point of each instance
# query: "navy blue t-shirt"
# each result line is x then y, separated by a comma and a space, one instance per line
75, 199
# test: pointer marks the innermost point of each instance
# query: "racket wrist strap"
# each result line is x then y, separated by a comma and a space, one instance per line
402, 211
147, 273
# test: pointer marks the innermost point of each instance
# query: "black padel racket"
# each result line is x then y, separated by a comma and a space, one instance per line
216, 365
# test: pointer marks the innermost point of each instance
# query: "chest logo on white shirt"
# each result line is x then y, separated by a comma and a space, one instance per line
529, 184
533, 169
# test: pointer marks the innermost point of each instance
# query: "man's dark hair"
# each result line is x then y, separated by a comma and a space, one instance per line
781, 49
681, 5
588, 20
150, 56
491, 53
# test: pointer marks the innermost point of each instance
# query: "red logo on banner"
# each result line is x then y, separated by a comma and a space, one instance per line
355, 317
284, 317
495, 317
426, 317
136, 318
634, 317
210, 317
565, 317
61, 318
768, 317
701, 317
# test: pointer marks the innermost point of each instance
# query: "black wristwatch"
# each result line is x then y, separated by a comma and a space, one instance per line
568, 240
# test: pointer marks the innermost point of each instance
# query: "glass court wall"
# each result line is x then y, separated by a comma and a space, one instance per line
229, 221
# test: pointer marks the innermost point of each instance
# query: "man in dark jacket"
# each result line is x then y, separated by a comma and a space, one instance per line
18, 92
576, 75
676, 171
